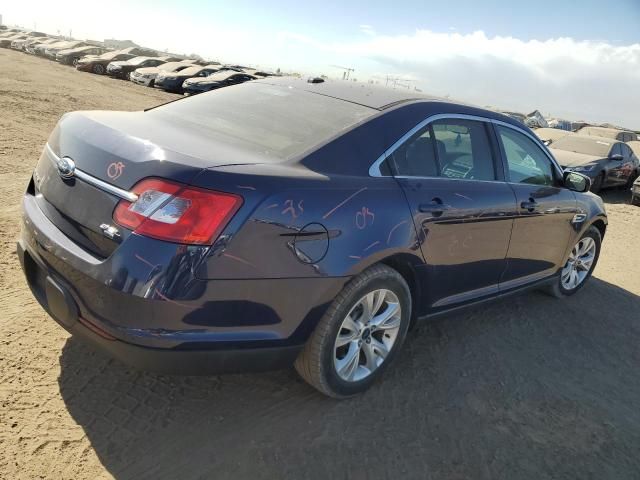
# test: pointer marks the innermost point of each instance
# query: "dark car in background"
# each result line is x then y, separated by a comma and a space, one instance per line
279, 222
607, 162
224, 78
98, 64
73, 55
172, 81
122, 68
147, 76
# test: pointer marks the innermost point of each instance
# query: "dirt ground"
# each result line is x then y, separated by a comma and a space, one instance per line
530, 387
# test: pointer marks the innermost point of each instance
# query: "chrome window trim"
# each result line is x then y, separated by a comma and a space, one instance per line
96, 182
374, 169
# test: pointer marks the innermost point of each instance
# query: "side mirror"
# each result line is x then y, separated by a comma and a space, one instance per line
616, 156
577, 182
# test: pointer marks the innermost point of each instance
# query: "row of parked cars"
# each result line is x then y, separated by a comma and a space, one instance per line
610, 157
142, 66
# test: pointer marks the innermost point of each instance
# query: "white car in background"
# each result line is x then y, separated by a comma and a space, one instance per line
147, 76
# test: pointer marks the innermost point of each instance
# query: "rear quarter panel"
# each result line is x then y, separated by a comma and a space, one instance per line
304, 224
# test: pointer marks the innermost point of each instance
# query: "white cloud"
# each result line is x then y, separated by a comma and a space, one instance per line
367, 30
577, 79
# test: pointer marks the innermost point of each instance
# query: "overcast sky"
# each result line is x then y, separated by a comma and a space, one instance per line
579, 60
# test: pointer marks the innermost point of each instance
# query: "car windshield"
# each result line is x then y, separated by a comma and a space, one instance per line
588, 145
272, 121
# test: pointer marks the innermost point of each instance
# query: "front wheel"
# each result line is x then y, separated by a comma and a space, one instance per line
596, 186
359, 335
98, 69
580, 264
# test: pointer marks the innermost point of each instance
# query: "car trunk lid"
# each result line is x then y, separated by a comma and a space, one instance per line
111, 152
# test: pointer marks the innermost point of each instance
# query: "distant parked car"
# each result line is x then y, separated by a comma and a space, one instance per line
122, 68
52, 50
550, 135
30, 47
98, 65
19, 44
6, 41
607, 162
193, 86
73, 55
635, 192
147, 76
614, 133
257, 73
172, 82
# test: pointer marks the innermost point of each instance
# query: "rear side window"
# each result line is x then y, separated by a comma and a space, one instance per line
448, 148
527, 162
417, 157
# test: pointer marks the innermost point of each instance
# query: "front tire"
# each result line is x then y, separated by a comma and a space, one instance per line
359, 335
579, 267
596, 186
98, 69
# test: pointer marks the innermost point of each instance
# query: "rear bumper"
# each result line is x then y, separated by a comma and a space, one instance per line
56, 298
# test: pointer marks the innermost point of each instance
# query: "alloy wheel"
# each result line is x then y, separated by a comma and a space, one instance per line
579, 263
367, 335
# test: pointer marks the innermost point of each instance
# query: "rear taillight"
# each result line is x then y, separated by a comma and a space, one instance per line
176, 213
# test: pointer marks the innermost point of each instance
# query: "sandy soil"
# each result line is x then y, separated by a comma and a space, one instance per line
531, 387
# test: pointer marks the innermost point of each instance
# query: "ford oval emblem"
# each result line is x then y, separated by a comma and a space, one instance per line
66, 167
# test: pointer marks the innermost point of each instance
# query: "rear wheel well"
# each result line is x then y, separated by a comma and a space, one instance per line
405, 269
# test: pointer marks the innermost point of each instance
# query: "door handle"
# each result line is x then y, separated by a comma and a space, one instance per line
435, 207
530, 205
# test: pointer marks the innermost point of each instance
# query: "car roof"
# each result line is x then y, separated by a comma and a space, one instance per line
372, 96
602, 131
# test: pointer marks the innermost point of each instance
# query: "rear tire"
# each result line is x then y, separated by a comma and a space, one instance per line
98, 69
562, 286
370, 341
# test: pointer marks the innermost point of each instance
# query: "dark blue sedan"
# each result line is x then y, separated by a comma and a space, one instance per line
282, 222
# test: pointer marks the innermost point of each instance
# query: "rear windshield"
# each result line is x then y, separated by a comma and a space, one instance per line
583, 144
275, 121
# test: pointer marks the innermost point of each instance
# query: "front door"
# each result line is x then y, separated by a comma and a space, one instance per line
542, 228
461, 211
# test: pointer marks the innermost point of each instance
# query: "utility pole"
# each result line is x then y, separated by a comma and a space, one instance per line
347, 71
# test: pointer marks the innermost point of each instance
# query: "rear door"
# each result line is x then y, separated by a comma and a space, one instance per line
542, 228
462, 209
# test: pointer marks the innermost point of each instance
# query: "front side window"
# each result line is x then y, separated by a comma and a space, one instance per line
463, 149
527, 162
